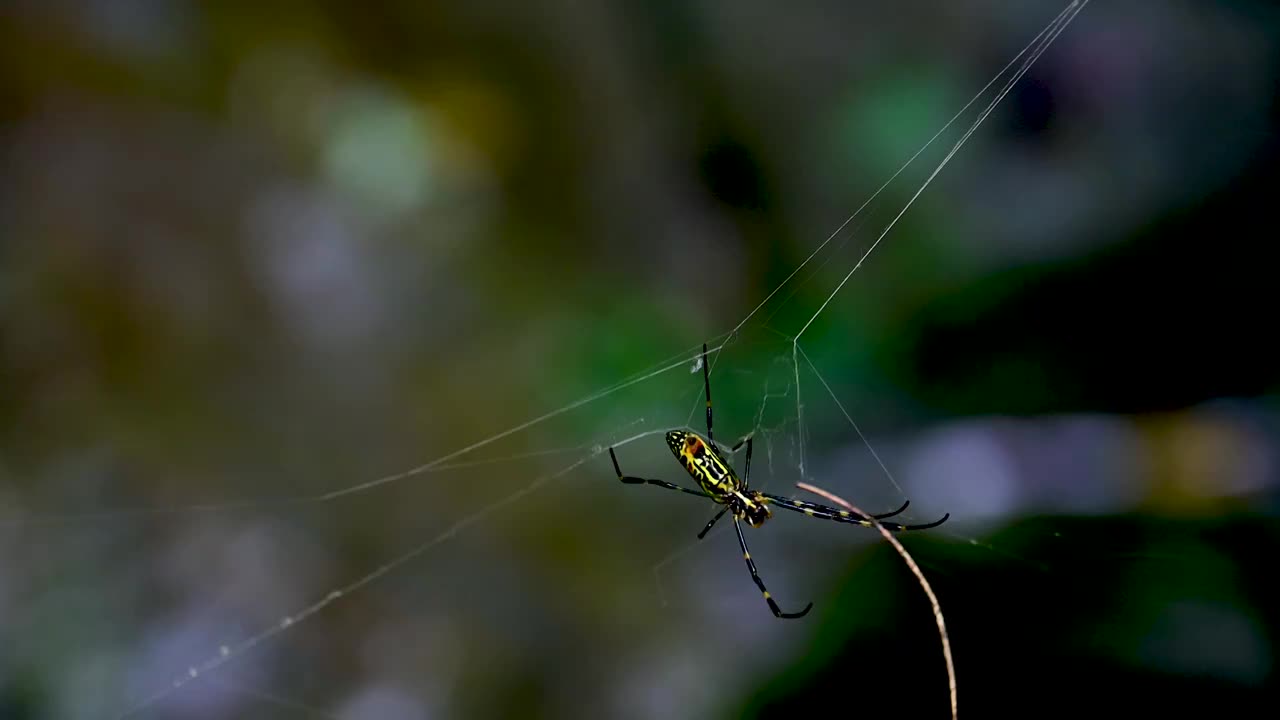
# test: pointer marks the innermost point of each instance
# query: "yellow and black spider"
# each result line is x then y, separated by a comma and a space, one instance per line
706, 463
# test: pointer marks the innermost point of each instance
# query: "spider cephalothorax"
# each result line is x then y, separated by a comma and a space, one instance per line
754, 510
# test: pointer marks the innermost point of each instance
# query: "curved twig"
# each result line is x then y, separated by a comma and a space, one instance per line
915, 569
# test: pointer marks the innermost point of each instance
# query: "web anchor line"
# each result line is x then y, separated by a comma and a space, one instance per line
1037, 47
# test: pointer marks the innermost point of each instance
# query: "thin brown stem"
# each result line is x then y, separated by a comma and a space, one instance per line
915, 569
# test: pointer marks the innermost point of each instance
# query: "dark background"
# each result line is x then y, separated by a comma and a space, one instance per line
252, 253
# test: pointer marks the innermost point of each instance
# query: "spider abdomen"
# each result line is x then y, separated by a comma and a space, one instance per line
713, 474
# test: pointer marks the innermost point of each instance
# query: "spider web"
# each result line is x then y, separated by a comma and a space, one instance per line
765, 384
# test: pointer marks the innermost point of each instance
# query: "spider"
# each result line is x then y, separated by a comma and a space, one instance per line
705, 461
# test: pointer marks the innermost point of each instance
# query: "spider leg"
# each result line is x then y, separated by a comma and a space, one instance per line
726, 450
706, 381
631, 480
773, 605
829, 513
899, 511
707, 529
